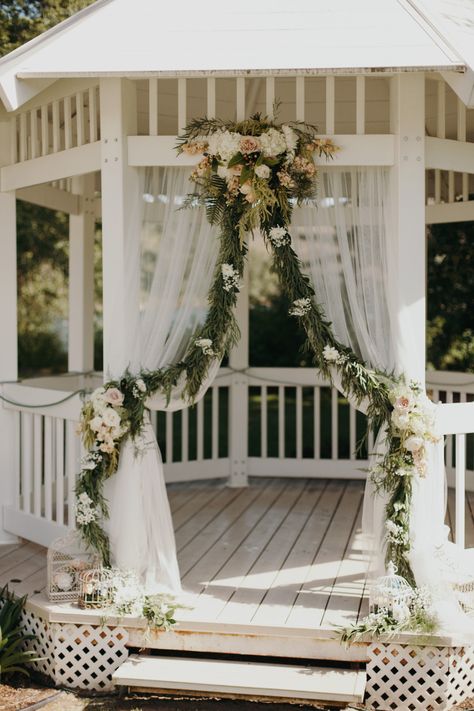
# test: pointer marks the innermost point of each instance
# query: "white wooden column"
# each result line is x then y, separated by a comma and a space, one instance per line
81, 278
239, 400
9, 445
408, 240
120, 227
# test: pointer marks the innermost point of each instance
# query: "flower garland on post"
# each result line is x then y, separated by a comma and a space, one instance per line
250, 176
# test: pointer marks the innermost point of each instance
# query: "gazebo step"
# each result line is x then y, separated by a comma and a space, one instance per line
241, 679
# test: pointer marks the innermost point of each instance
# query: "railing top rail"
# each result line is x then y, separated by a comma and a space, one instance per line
456, 418
65, 404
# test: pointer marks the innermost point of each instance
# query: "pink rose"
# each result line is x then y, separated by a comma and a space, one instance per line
249, 144
114, 397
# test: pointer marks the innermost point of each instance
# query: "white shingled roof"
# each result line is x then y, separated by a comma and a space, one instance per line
142, 37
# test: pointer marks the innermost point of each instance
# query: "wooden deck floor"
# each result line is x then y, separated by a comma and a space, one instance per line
282, 553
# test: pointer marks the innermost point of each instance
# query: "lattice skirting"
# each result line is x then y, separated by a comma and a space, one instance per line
405, 678
76, 656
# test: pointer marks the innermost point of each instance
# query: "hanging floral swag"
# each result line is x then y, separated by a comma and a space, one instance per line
250, 176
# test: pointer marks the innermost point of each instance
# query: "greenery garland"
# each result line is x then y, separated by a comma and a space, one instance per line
250, 176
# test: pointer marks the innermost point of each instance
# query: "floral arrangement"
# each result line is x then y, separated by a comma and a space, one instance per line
250, 175
256, 164
385, 622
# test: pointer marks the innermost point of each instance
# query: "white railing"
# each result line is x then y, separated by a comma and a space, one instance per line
48, 451
63, 123
294, 424
457, 421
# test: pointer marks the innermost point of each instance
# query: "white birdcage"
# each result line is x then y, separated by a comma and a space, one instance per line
68, 557
96, 588
391, 593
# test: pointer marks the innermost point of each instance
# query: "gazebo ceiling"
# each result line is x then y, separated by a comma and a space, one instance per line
139, 37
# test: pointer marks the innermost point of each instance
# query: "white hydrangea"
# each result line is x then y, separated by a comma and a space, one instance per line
300, 307
139, 388
273, 142
228, 144
330, 354
91, 460
230, 277
85, 510
291, 137
279, 236
206, 345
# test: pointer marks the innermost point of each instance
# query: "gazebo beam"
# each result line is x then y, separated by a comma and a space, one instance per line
120, 192
81, 278
408, 300
9, 349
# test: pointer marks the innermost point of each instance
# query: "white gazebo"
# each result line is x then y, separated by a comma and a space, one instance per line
276, 565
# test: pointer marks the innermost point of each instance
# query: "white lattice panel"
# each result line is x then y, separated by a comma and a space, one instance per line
77, 656
405, 678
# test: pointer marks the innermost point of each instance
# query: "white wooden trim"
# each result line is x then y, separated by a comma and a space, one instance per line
330, 104
80, 118
52, 198
455, 418
118, 112
153, 106
300, 99
408, 220
182, 120
269, 96
33, 528
195, 470
450, 212
9, 422
211, 97
360, 105
35, 400
460, 525
374, 149
447, 154
46, 169
44, 130
240, 98
81, 279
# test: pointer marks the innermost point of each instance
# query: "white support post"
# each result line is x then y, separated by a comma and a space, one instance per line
408, 220
238, 425
120, 229
9, 446
81, 278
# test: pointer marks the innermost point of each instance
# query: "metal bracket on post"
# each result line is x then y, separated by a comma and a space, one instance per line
238, 431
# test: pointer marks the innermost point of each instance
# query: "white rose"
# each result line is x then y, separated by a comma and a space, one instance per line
111, 418
400, 419
140, 385
96, 423
413, 443
263, 171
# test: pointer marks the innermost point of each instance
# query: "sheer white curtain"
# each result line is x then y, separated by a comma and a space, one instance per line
175, 256
345, 243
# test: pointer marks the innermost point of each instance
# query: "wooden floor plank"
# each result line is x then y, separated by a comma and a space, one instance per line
200, 525
275, 579
229, 578
344, 599
237, 501
17, 557
199, 575
201, 500
310, 605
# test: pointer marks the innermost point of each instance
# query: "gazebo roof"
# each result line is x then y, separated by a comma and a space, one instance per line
140, 37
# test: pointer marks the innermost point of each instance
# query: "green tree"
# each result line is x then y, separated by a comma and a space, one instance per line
42, 234
450, 332
21, 20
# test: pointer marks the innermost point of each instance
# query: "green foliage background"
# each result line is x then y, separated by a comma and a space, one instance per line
274, 337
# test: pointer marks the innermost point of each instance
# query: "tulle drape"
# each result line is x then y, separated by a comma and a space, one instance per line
347, 247
174, 255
